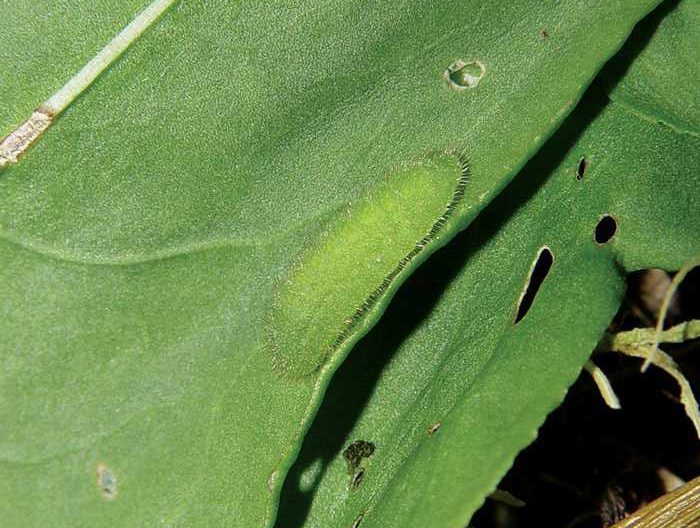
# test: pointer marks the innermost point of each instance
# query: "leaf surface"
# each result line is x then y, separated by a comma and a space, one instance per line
144, 234
448, 387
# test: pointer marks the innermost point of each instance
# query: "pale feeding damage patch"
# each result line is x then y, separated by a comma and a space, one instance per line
272, 480
434, 428
17, 142
107, 482
461, 75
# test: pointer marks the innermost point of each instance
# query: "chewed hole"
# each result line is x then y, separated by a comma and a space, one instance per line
605, 229
357, 521
538, 272
581, 169
357, 479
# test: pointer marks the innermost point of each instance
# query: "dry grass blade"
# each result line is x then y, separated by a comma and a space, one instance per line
677, 279
678, 509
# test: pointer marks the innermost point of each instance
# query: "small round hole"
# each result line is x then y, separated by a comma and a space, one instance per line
581, 169
605, 229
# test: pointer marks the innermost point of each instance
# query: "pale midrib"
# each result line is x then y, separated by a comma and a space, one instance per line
17, 142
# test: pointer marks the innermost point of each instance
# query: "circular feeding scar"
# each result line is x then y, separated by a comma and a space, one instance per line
461, 75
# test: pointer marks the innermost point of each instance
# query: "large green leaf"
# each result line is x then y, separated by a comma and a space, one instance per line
448, 351
143, 235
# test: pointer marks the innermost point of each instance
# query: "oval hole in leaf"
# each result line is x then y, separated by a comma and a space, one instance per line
538, 272
581, 169
605, 229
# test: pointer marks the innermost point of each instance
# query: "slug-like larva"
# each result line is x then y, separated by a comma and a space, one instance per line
328, 294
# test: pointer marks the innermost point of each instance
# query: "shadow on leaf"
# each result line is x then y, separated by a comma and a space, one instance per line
353, 384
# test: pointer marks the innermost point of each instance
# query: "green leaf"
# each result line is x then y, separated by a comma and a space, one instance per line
40, 48
661, 84
448, 387
144, 234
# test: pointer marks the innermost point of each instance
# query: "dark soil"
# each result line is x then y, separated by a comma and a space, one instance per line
591, 465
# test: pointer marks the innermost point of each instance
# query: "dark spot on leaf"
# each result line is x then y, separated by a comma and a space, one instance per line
433, 428
538, 272
605, 229
357, 521
581, 169
355, 452
544, 33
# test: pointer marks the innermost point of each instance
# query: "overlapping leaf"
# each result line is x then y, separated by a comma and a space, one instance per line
449, 352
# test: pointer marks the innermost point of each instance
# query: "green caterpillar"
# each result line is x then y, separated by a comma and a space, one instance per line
326, 298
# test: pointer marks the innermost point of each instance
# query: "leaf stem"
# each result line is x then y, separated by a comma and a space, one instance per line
18, 141
59, 101
603, 384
